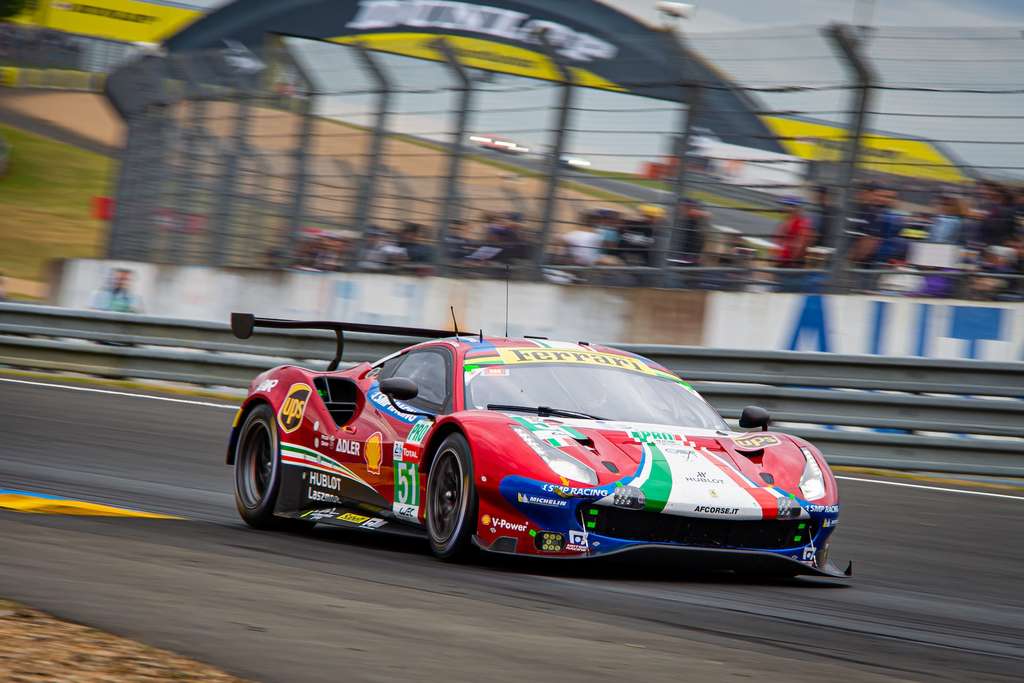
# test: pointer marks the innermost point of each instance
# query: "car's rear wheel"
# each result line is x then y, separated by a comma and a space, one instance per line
451, 500
258, 473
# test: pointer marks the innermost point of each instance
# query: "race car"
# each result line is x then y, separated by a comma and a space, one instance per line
526, 446
499, 144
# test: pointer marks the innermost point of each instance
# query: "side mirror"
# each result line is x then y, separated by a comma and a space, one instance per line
399, 388
753, 416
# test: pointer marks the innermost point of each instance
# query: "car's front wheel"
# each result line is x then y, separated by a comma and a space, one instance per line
451, 500
258, 472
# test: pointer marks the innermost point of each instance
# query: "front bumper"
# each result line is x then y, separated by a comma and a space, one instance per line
537, 519
703, 559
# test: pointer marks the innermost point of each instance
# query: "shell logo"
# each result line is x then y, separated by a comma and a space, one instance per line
373, 453
486, 519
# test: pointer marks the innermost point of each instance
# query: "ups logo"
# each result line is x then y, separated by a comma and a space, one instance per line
753, 442
294, 407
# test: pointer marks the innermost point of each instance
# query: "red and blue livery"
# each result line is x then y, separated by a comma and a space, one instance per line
527, 447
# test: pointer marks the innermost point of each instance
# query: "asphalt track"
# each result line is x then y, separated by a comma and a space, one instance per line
937, 592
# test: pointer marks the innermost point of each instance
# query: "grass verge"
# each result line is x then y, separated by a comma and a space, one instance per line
45, 204
35, 646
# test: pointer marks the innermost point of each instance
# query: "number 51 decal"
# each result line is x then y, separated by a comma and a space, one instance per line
407, 483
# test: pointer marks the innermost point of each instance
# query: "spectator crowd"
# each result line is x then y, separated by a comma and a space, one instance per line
968, 244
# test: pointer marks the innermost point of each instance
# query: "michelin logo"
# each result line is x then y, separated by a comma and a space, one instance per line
468, 17
530, 499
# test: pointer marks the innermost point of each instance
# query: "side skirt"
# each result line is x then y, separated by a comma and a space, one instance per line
356, 519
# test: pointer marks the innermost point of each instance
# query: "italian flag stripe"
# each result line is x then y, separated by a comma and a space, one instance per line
658, 486
294, 453
769, 506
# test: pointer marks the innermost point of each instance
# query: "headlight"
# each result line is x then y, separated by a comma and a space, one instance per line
812, 481
562, 464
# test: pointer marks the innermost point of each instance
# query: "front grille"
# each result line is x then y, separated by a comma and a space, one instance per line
655, 527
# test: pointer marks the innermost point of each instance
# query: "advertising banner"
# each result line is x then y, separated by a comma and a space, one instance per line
603, 47
877, 325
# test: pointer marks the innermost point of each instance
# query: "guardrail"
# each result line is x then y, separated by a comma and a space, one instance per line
954, 416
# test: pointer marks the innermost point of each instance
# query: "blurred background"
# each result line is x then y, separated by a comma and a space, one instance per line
804, 149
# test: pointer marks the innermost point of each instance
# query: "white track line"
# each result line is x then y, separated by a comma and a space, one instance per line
120, 393
221, 405
932, 488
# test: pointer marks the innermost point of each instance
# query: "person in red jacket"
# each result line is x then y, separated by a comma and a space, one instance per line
794, 236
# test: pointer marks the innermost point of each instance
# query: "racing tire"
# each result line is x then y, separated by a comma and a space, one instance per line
451, 501
258, 473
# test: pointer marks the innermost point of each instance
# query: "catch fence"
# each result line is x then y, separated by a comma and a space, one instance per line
326, 156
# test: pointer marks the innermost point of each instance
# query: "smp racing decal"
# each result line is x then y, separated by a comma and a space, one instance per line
266, 385
381, 402
753, 442
294, 407
565, 491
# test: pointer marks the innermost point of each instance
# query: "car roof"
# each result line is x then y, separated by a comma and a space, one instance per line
473, 346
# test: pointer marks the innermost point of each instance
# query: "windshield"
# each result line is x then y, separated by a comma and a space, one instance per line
611, 393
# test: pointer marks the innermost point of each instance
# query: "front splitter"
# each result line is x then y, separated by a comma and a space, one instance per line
708, 559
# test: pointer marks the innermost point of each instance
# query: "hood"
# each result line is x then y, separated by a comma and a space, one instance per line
685, 471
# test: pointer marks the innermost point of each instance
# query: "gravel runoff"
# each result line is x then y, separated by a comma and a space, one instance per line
36, 647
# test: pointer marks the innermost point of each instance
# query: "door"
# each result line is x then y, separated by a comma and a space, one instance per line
431, 370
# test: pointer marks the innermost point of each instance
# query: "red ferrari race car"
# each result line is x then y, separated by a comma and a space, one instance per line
529, 447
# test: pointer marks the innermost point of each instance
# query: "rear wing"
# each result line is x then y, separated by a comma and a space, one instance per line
243, 325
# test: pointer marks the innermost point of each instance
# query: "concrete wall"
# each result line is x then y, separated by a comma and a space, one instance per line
577, 313
839, 324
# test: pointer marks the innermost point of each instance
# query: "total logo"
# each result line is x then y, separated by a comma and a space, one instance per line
498, 523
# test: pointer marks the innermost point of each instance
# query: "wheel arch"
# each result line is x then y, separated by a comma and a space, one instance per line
437, 437
243, 412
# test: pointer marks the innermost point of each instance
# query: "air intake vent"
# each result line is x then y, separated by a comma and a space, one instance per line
656, 527
339, 395
505, 544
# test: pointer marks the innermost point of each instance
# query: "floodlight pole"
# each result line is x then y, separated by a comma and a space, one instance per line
849, 44
368, 186
465, 87
558, 148
690, 96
